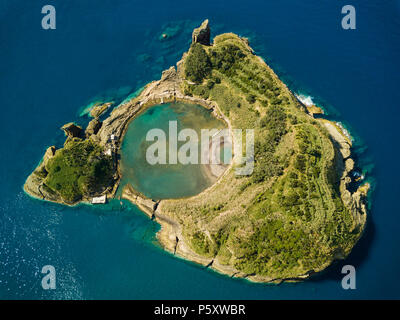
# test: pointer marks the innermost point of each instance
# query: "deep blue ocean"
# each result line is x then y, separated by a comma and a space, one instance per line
110, 48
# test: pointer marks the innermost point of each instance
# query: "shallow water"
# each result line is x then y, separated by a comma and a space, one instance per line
161, 181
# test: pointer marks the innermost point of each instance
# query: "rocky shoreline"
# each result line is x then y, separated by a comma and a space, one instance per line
110, 133
171, 238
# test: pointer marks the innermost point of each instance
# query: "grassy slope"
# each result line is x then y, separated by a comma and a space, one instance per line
287, 218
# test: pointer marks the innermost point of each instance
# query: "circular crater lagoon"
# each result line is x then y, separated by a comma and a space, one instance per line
168, 180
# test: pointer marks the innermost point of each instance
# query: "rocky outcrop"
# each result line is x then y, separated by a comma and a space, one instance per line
93, 127
71, 130
358, 205
145, 204
349, 165
314, 110
169, 75
99, 109
35, 186
50, 152
356, 202
202, 34
340, 140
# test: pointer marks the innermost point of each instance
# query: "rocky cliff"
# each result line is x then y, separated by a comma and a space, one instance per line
35, 186
202, 34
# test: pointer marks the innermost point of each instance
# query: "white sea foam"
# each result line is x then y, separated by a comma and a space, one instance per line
344, 130
307, 100
86, 109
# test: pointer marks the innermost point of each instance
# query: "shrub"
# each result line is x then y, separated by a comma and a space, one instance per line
79, 169
251, 98
197, 64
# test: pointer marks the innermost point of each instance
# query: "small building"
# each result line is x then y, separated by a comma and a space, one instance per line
99, 200
108, 152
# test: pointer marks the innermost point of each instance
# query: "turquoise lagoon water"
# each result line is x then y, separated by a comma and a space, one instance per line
106, 50
162, 181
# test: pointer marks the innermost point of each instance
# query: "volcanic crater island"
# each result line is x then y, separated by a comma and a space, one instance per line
301, 208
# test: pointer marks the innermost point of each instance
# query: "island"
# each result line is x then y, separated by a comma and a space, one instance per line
299, 211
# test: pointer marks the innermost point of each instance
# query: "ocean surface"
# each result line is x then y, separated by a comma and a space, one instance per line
107, 50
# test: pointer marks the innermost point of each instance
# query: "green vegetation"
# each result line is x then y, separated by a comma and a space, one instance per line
287, 218
267, 164
197, 66
284, 220
78, 170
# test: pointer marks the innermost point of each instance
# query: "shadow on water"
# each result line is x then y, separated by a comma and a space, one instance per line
356, 258
360, 251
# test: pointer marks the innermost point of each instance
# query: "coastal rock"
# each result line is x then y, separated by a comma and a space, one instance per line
72, 131
356, 202
349, 165
169, 74
180, 65
202, 34
339, 139
50, 152
98, 110
48, 194
147, 205
346, 196
313, 110
41, 169
358, 206
93, 127
34, 184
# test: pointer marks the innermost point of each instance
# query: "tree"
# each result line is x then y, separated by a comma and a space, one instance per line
197, 64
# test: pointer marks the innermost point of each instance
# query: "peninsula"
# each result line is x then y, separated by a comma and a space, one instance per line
290, 219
